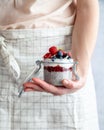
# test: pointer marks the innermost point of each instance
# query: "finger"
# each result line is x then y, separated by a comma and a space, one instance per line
29, 86
77, 84
28, 89
50, 88
47, 87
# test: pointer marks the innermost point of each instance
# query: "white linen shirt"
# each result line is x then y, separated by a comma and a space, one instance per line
26, 14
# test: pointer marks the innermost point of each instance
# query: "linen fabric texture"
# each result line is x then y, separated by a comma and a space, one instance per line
26, 14
40, 110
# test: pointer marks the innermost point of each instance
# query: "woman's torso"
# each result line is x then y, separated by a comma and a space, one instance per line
25, 14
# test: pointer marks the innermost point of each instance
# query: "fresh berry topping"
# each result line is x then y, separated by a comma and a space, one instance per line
53, 50
62, 51
64, 55
55, 53
59, 54
47, 55
53, 58
68, 57
69, 54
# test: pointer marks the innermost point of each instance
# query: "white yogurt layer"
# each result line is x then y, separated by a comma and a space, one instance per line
67, 63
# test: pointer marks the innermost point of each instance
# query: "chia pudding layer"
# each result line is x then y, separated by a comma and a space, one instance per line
56, 71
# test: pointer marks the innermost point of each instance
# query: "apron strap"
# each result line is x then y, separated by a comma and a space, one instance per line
9, 61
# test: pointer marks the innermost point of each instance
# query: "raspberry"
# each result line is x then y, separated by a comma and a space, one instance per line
53, 50
69, 54
47, 55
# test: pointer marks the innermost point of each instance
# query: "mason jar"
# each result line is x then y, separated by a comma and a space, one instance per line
56, 71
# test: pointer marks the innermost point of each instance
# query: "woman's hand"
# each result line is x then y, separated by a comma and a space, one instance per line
69, 86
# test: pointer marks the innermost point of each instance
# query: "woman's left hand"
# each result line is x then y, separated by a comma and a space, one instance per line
69, 86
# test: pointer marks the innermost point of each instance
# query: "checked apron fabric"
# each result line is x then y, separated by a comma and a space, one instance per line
36, 110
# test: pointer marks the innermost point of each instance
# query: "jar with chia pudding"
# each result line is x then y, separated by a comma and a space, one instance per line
58, 65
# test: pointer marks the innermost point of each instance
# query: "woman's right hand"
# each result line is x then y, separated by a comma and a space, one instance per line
69, 86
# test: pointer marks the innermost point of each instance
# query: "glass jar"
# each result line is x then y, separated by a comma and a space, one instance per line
56, 71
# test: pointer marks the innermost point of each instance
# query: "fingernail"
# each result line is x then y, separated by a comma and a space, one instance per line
65, 82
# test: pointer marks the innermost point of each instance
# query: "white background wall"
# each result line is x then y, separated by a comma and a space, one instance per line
98, 67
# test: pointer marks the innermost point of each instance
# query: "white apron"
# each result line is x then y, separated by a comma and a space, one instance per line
36, 110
